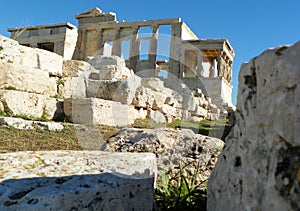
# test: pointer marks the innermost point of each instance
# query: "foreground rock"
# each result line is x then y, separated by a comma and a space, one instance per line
76, 180
260, 166
172, 148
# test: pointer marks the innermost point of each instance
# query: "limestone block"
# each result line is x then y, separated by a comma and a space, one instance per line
28, 124
99, 112
114, 72
23, 103
119, 91
26, 79
102, 89
142, 99
73, 87
53, 109
259, 167
202, 102
196, 119
178, 97
127, 90
154, 84
47, 61
20, 55
28, 104
200, 111
10, 52
167, 91
52, 88
213, 116
75, 68
186, 115
189, 103
157, 116
140, 113
77, 180
159, 99
147, 98
170, 98
171, 111
99, 61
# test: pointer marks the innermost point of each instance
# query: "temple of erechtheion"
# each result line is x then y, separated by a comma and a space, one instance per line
199, 63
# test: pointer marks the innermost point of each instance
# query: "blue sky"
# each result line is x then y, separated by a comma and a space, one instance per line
250, 26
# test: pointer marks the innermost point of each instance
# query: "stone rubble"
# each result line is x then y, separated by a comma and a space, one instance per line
259, 168
162, 104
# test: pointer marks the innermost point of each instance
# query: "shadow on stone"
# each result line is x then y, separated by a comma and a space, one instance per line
107, 191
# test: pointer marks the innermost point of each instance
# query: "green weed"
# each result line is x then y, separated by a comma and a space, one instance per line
184, 195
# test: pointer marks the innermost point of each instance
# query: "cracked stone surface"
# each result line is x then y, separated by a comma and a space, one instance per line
259, 168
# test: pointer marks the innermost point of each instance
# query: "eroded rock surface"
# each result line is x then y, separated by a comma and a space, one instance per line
172, 148
259, 168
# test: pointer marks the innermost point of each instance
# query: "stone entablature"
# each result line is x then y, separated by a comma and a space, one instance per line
58, 38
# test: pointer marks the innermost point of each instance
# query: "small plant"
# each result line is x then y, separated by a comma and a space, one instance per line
184, 195
11, 88
60, 82
2, 113
57, 96
5, 114
1, 48
43, 118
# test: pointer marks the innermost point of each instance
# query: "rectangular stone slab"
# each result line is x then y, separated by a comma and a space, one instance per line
76, 180
99, 112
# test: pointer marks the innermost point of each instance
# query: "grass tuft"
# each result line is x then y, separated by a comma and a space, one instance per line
181, 192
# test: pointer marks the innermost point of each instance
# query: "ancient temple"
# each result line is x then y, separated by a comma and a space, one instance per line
152, 48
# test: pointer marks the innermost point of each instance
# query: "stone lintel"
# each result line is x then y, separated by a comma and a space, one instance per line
134, 24
67, 25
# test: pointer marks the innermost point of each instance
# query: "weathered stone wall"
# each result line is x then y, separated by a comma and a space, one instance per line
28, 80
259, 168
